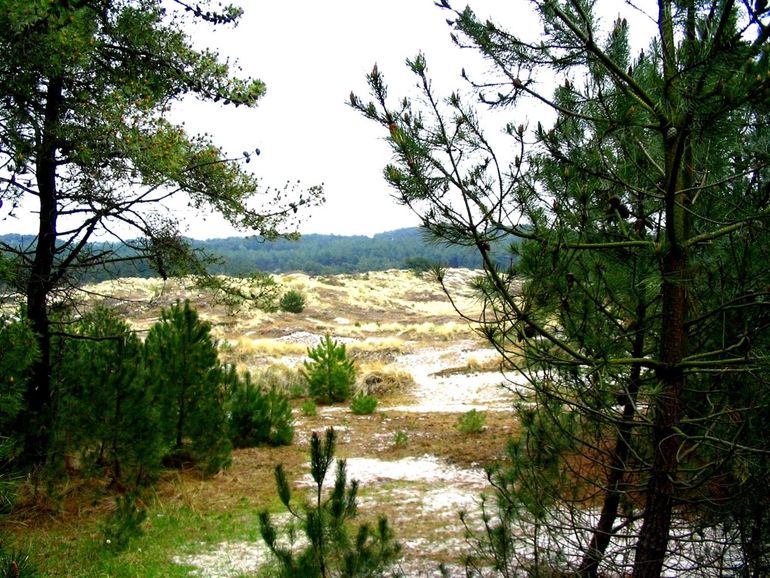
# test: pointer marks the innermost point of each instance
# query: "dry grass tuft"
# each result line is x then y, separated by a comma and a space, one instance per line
287, 380
381, 381
246, 350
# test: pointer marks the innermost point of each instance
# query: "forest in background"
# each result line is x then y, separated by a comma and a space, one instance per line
314, 254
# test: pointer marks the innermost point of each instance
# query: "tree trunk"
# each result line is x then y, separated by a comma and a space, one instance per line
653, 539
38, 395
589, 566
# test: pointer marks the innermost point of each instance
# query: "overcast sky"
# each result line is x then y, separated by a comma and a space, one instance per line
311, 54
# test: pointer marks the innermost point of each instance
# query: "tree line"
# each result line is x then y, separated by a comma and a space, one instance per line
312, 254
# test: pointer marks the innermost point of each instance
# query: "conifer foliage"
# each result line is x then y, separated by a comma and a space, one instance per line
292, 302
330, 373
634, 300
106, 417
258, 415
188, 387
330, 550
19, 352
88, 149
128, 408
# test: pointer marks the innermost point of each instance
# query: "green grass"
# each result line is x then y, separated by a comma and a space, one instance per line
78, 550
471, 422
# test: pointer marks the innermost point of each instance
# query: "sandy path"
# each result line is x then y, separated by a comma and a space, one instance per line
453, 393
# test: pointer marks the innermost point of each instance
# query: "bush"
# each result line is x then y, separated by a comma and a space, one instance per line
363, 404
331, 551
106, 416
292, 302
400, 438
259, 416
330, 374
471, 422
308, 408
19, 353
189, 389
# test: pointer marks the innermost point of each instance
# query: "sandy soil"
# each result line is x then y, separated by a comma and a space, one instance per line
421, 494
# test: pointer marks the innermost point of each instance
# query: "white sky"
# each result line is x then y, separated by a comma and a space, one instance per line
311, 54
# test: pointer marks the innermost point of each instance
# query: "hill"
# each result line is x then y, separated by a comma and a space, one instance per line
313, 254
335, 254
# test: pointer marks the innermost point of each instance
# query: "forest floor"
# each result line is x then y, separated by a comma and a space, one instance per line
426, 365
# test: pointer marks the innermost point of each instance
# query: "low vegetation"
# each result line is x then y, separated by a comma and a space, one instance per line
471, 422
329, 549
329, 372
165, 501
258, 415
363, 404
19, 352
292, 302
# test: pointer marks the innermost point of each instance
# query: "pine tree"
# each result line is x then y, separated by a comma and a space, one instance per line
325, 523
292, 302
187, 385
106, 414
329, 373
88, 147
258, 415
634, 299
19, 352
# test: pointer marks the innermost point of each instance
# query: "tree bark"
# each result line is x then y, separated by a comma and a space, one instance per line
653, 538
618, 467
38, 395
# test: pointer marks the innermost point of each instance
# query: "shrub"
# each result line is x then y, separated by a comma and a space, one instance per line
363, 404
327, 524
330, 374
471, 422
308, 408
18, 352
292, 302
188, 385
259, 416
400, 438
106, 415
